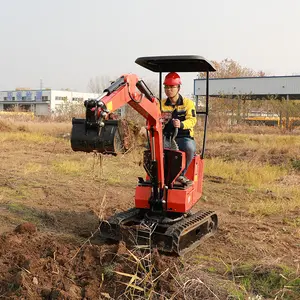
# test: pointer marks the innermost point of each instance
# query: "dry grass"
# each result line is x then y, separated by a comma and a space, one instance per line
245, 173
27, 137
274, 149
264, 140
47, 127
264, 162
31, 168
68, 167
275, 206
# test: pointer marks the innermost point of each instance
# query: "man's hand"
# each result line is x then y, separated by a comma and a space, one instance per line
166, 117
176, 123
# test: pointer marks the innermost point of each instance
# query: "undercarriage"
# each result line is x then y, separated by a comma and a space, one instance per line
172, 233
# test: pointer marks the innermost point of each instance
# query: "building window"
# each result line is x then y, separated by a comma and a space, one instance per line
8, 107
5, 98
25, 107
23, 98
28, 95
61, 98
44, 98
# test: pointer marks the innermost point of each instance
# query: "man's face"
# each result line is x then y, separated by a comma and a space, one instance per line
171, 90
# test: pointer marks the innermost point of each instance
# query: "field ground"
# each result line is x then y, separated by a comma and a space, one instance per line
252, 181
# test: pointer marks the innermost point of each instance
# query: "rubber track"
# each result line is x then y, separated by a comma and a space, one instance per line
177, 230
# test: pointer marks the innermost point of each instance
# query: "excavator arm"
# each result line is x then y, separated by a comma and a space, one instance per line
128, 89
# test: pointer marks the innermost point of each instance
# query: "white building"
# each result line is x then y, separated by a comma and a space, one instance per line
41, 102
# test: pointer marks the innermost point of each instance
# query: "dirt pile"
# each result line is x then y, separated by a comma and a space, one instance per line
36, 265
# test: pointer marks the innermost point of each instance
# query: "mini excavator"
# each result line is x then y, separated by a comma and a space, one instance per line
161, 217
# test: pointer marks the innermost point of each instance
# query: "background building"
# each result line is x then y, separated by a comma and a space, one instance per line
242, 99
287, 87
40, 102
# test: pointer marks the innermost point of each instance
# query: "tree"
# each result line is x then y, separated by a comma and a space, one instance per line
237, 107
98, 84
153, 86
66, 110
229, 68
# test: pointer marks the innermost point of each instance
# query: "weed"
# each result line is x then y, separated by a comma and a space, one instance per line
295, 222
250, 189
268, 281
23, 212
114, 180
296, 164
13, 191
256, 297
16, 207
32, 168
69, 167
211, 269
109, 270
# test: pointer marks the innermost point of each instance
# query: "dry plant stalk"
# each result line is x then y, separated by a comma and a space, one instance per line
198, 280
100, 214
98, 163
142, 282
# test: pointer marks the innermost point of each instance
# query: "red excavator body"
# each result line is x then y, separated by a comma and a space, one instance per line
180, 199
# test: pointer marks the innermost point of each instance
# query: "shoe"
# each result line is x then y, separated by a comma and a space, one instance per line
183, 180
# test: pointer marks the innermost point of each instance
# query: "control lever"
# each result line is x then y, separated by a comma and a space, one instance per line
174, 145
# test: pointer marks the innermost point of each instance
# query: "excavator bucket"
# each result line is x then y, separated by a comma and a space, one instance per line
107, 139
176, 234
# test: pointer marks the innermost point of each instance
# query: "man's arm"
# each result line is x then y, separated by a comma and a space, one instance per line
190, 118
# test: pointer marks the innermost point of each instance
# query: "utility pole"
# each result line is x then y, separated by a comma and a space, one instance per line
287, 113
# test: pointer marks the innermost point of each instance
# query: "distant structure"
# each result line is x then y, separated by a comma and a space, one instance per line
41, 102
252, 88
287, 87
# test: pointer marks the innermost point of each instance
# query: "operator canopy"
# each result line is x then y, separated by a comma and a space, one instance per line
177, 63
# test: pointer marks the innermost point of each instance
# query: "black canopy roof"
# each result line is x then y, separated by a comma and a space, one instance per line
178, 63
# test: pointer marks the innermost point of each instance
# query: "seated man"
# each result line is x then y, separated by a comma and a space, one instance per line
179, 113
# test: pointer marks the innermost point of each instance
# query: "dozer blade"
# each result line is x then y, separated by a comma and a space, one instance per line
178, 237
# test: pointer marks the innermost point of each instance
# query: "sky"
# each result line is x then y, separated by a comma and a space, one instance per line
65, 43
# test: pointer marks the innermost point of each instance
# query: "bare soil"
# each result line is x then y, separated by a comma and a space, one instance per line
50, 247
